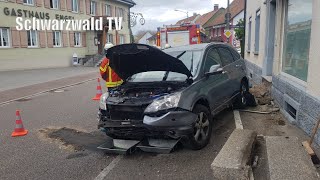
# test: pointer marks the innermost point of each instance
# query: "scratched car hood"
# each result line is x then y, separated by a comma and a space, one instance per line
129, 59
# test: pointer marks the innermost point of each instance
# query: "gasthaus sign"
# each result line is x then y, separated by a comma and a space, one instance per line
30, 14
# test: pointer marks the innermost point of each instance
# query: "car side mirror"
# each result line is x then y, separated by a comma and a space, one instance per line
214, 69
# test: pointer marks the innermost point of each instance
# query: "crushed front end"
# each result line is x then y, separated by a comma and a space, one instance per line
136, 111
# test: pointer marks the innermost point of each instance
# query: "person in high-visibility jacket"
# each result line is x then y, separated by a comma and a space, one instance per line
107, 74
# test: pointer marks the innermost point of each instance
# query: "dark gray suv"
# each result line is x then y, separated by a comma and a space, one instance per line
173, 93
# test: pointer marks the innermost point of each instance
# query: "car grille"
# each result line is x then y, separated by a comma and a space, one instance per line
117, 112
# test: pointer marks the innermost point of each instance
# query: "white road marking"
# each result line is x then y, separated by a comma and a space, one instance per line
237, 119
43, 92
251, 175
107, 170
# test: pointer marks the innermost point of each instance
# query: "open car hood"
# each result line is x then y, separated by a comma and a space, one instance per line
129, 59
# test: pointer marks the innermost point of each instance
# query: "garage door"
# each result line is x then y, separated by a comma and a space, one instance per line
178, 38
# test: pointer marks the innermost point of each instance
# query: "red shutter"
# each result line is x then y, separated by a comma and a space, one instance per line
103, 9
23, 39
65, 38
69, 5
47, 4
81, 6
42, 39
71, 38
111, 11
88, 6
84, 39
15, 34
49, 39
20, 1
39, 3
98, 8
63, 5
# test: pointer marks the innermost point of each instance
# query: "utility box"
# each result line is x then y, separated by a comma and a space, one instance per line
75, 59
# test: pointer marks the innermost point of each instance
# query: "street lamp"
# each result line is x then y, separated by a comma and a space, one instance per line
186, 12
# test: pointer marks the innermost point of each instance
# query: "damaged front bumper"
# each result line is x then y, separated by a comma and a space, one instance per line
173, 124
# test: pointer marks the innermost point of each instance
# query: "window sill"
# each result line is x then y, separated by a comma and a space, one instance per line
33, 47
28, 4
57, 46
55, 8
256, 53
5, 47
78, 46
76, 12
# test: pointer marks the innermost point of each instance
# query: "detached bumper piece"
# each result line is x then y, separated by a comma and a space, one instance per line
119, 146
162, 146
126, 147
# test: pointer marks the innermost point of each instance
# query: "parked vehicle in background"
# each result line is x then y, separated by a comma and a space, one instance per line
173, 93
179, 35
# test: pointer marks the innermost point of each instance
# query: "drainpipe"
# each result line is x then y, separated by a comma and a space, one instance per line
245, 28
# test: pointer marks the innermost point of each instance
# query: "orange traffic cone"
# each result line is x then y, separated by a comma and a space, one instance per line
99, 92
19, 129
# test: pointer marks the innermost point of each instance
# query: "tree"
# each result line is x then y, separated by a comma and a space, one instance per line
240, 34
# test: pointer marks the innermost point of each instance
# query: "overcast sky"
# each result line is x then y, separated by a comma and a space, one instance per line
160, 12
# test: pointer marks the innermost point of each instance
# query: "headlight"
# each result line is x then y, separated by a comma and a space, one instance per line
164, 102
103, 101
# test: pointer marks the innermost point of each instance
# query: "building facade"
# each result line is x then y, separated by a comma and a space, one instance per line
43, 49
217, 25
281, 45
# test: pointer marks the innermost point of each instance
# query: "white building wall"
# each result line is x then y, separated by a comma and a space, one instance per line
252, 7
144, 40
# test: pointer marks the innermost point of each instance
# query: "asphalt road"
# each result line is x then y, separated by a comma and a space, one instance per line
35, 156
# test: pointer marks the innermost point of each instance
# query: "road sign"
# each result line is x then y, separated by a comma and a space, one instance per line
227, 33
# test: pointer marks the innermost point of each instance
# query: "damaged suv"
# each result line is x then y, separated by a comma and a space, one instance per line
171, 94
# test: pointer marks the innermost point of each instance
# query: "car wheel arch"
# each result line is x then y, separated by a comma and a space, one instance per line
203, 101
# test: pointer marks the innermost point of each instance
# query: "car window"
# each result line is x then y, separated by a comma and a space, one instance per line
191, 59
212, 58
226, 56
236, 55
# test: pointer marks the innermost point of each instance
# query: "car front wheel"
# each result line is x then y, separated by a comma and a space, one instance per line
202, 128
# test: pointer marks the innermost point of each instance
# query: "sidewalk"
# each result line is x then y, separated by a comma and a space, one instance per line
22, 78
17, 84
273, 124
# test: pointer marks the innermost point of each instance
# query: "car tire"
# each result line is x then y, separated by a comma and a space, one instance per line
241, 100
202, 128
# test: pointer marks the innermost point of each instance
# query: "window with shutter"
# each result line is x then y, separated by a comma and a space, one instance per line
4, 37
56, 35
28, 2
54, 4
77, 39
75, 6
108, 10
32, 38
93, 8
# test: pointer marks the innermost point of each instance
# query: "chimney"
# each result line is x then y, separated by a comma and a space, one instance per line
194, 14
216, 7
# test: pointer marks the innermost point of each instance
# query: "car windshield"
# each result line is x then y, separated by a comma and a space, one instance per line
191, 60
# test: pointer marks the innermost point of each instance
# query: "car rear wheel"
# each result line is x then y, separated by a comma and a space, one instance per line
202, 128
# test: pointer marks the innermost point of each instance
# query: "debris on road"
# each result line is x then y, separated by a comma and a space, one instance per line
72, 139
262, 94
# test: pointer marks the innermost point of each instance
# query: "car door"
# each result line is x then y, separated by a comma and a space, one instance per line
239, 67
214, 84
229, 68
